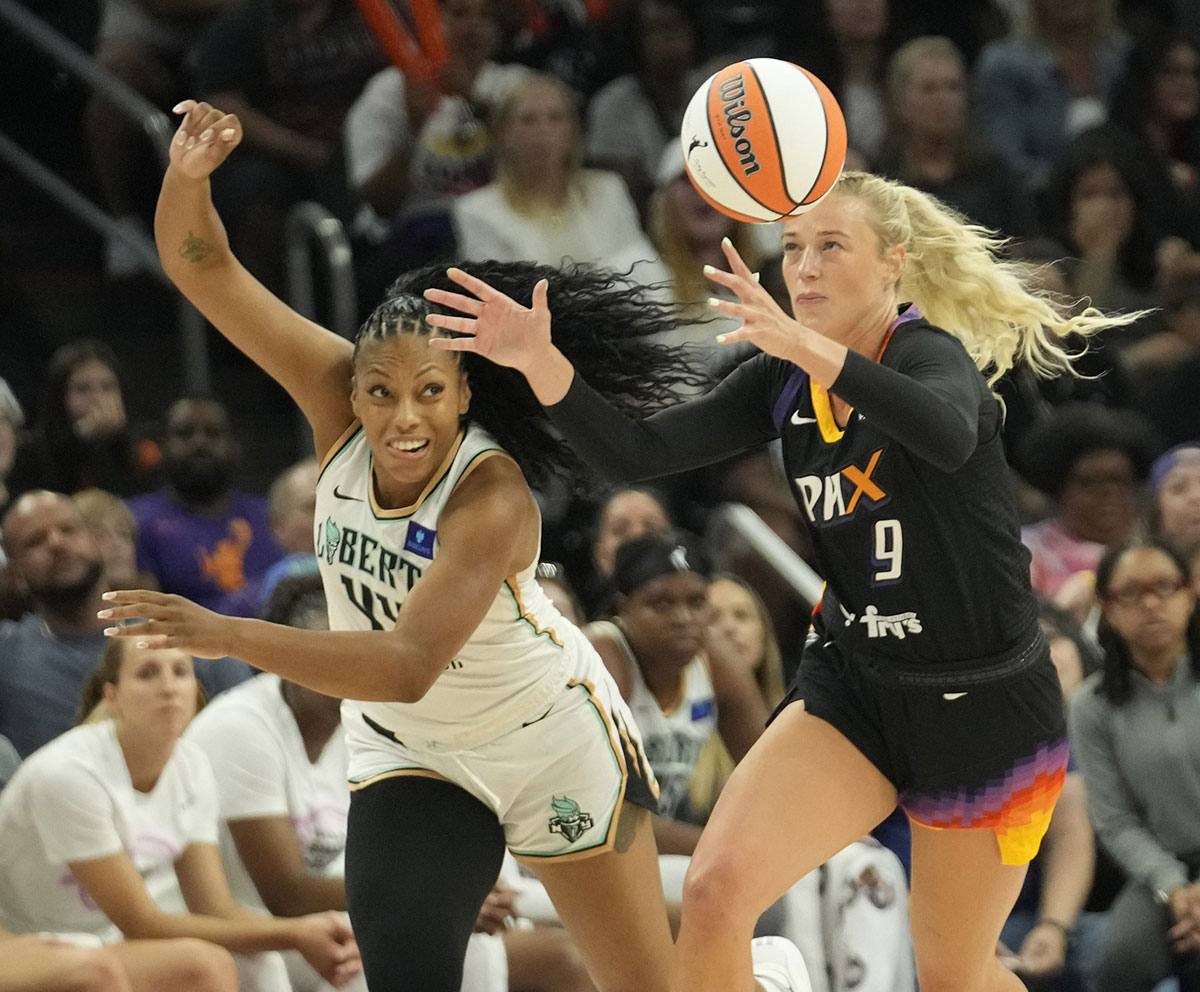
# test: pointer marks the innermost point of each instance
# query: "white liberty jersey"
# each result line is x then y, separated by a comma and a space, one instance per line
673, 738
371, 557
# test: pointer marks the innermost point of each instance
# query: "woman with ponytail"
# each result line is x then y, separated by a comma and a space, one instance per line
477, 717
926, 680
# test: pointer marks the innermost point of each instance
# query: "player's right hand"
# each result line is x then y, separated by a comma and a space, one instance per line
204, 140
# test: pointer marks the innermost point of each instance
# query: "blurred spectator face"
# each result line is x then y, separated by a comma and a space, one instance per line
113, 527
293, 508
199, 449
700, 224
471, 29
93, 392
735, 615
626, 516
155, 692
934, 100
1176, 85
52, 556
668, 44
857, 20
665, 619
1098, 501
540, 132
1148, 602
1101, 191
1178, 499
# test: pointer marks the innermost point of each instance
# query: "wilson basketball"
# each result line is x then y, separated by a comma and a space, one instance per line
763, 139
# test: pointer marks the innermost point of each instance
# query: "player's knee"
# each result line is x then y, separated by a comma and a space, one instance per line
709, 892
203, 967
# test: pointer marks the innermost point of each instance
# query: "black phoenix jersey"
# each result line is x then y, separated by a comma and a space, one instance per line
909, 505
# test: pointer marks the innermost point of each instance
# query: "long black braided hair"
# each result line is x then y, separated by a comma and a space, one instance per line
602, 322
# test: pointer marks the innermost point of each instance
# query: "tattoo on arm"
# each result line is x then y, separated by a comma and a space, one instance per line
194, 249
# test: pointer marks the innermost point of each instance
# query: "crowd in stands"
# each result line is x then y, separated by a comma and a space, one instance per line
550, 134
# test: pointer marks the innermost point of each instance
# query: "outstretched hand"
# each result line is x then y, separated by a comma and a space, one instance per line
498, 328
204, 140
764, 324
163, 620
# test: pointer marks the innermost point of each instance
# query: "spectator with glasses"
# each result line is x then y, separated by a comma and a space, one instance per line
1135, 727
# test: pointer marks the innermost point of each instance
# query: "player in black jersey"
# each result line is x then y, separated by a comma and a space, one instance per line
925, 679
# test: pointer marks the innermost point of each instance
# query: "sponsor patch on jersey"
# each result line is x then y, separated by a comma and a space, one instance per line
420, 540
701, 709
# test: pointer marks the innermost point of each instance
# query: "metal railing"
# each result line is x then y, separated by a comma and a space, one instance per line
310, 224
770, 547
157, 128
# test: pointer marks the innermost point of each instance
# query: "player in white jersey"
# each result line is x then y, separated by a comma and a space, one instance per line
480, 717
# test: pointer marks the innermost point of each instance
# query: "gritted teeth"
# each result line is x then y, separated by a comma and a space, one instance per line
408, 445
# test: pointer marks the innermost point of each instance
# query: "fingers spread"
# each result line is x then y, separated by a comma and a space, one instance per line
464, 325
476, 286
736, 265
453, 344
467, 304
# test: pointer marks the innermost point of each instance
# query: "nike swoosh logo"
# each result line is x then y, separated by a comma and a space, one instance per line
800, 421
344, 496
538, 720
951, 696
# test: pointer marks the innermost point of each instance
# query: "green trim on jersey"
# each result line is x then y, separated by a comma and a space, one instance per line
429, 495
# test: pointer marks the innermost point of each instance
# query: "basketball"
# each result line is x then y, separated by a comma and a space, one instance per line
763, 139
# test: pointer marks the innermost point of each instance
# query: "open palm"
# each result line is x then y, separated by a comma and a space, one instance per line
497, 328
204, 140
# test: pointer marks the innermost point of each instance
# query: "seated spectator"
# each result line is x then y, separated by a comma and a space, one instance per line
83, 439
112, 830
1049, 81
846, 43
1157, 105
281, 763
682, 681
1175, 488
1166, 366
46, 656
1093, 461
933, 144
413, 146
112, 525
625, 513
291, 502
687, 232
198, 537
1096, 209
1144, 793
543, 206
290, 70
38, 962
631, 120
147, 46
740, 617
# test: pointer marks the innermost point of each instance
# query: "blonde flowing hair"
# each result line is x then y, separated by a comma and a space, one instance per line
955, 273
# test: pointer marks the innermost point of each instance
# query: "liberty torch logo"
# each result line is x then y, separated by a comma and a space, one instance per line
569, 820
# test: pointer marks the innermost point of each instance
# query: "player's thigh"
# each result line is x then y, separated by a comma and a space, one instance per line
612, 906
421, 856
182, 965
962, 893
801, 794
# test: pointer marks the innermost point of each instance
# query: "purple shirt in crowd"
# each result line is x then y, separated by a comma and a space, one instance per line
206, 559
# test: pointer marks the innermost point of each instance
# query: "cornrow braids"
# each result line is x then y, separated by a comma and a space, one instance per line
603, 322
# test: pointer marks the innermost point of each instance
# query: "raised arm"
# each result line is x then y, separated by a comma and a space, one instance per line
311, 363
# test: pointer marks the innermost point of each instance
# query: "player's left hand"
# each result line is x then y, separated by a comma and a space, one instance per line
764, 324
1043, 952
163, 620
498, 911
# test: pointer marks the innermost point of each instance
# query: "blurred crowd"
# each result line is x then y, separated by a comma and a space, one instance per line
550, 134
